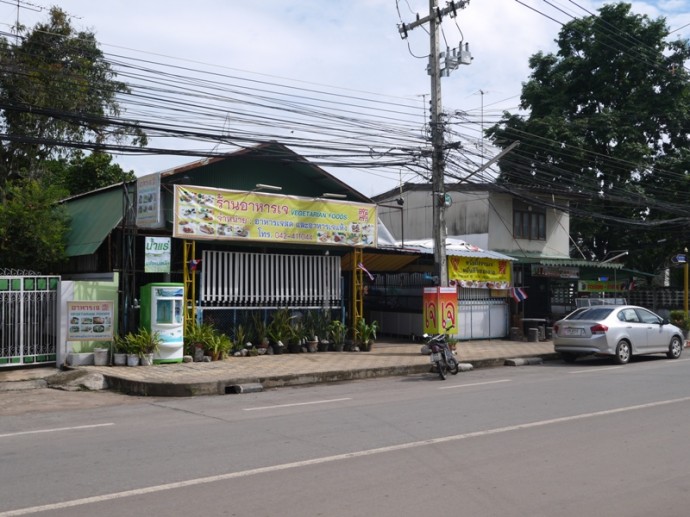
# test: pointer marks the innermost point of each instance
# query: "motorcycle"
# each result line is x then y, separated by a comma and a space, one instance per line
441, 355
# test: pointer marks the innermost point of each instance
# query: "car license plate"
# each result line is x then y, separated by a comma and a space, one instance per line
570, 331
436, 357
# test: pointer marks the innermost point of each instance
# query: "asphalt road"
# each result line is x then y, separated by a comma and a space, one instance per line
568, 440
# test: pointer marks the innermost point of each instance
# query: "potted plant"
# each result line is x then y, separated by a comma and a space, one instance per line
196, 339
297, 336
101, 354
336, 334
260, 332
365, 333
278, 329
680, 319
219, 346
240, 337
119, 351
148, 343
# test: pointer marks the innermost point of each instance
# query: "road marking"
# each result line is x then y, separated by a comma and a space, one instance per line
56, 429
473, 384
330, 459
597, 369
295, 404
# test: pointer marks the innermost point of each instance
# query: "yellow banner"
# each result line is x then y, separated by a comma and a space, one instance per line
486, 273
208, 213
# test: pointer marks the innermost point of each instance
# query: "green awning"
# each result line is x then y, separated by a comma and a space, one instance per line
93, 217
565, 262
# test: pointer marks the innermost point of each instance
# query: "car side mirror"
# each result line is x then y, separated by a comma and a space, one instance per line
665, 321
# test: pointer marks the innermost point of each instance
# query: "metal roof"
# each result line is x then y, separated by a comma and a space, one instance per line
454, 247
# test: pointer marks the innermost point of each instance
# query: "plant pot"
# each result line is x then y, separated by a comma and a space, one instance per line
324, 346
312, 346
338, 347
100, 356
80, 358
294, 348
119, 359
146, 359
132, 359
278, 347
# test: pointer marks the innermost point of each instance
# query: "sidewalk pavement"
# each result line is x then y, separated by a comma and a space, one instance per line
242, 374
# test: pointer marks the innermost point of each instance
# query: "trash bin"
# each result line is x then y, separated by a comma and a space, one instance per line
533, 335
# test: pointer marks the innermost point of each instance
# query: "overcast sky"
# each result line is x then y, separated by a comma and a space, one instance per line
353, 45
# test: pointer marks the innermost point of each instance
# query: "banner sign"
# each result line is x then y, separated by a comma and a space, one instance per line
479, 272
440, 310
157, 255
208, 213
148, 201
555, 271
90, 321
608, 286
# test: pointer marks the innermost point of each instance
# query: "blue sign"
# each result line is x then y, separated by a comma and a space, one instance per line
679, 259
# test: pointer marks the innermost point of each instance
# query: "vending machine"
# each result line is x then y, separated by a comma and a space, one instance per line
161, 311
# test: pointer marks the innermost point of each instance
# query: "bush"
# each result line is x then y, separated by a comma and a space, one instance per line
680, 319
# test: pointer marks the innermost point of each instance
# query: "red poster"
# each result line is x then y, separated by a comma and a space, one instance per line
440, 310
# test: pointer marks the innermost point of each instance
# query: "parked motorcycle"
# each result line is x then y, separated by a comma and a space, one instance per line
441, 354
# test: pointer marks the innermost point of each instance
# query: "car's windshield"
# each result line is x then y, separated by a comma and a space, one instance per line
595, 313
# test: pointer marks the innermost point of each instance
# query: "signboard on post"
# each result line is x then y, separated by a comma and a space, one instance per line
440, 310
90, 321
157, 255
149, 201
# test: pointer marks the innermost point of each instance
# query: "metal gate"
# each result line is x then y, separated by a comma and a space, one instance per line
28, 319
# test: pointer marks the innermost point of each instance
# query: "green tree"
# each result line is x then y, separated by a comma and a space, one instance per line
32, 226
57, 93
84, 173
608, 120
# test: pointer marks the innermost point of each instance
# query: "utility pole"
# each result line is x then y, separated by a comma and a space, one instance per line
452, 60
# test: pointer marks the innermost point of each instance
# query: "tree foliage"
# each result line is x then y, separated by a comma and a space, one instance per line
58, 97
33, 226
608, 124
57, 94
84, 173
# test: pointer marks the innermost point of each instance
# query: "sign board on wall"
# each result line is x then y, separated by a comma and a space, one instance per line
148, 201
157, 255
555, 271
90, 321
440, 310
484, 273
208, 213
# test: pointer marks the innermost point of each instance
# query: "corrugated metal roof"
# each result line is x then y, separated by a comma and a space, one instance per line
454, 247
93, 218
568, 262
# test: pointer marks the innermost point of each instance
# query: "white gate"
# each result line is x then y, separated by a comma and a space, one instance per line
28, 319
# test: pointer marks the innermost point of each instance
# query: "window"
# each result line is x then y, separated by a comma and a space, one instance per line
529, 222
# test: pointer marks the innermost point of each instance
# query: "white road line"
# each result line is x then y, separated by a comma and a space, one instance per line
330, 459
56, 430
473, 384
295, 404
595, 370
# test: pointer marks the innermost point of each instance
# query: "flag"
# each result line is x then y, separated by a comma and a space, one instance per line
631, 285
361, 266
194, 264
518, 294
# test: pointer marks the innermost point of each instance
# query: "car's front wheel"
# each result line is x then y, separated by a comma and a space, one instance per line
623, 352
675, 348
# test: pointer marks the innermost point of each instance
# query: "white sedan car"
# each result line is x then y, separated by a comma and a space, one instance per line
620, 331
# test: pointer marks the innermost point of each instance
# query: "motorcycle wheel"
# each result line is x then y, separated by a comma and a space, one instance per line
453, 366
441, 365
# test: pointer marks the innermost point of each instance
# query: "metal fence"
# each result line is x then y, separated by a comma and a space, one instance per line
235, 279
28, 319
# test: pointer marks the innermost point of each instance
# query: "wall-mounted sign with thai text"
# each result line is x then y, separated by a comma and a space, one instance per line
216, 214
157, 254
483, 273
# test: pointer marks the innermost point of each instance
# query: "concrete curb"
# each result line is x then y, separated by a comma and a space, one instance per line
248, 384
